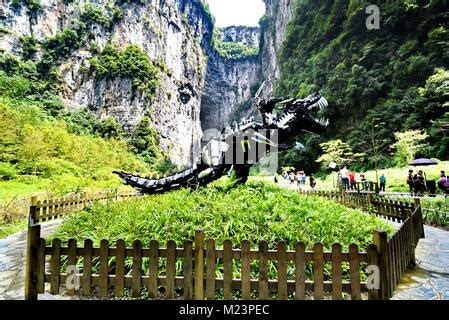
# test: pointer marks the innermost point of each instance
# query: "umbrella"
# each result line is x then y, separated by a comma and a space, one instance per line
423, 162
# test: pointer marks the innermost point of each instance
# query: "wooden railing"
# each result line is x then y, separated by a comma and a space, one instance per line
398, 252
388, 209
46, 210
361, 187
104, 272
401, 250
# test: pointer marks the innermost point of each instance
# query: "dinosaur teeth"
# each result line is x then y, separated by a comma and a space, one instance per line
282, 122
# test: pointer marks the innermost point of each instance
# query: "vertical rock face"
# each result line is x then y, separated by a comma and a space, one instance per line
278, 14
172, 32
199, 89
230, 83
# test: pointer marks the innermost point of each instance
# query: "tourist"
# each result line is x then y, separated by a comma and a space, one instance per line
410, 181
443, 183
303, 178
419, 182
364, 181
292, 178
312, 181
344, 174
352, 180
383, 182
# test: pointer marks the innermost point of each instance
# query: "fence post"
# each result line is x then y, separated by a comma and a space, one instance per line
33, 236
369, 199
199, 264
381, 241
419, 213
412, 261
376, 187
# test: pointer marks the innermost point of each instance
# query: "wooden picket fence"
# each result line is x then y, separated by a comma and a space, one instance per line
50, 209
104, 272
361, 187
398, 252
401, 250
188, 271
386, 208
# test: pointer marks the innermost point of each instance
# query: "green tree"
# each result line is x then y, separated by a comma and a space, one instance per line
408, 143
339, 152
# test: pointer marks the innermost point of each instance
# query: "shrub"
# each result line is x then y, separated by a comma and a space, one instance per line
29, 46
57, 47
117, 14
130, 63
7, 171
33, 5
234, 50
91, 13
253, 212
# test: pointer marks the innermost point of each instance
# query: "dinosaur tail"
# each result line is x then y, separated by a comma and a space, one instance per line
193, 177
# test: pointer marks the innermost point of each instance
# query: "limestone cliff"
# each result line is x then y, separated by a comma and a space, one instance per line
200, 87
273, 32
230, 82
170, 32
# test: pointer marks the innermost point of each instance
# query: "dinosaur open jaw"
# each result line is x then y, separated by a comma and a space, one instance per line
322, 121
317, 109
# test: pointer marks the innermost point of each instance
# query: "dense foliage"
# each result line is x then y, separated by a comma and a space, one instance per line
34, 143
396, 76
234, 50
130, 63
278, 214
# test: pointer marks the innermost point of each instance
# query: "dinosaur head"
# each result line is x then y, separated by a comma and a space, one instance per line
293, 115
303, 114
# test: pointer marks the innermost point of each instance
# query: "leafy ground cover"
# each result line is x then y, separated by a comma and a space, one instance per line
257, 211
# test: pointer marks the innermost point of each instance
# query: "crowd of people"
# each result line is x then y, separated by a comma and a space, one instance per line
352, 181
349, 180
299, 179
418, 183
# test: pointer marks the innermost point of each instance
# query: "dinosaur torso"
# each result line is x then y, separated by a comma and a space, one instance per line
243, 144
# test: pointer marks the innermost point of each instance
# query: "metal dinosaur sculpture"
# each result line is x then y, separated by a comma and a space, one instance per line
237, 148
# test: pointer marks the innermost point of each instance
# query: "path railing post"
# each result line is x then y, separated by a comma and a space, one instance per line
199, 265
369, 199
419, 213
376, 187
381, 241
33, 236
412, 244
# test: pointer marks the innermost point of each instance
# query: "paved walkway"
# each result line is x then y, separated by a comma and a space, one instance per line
12, 263
430, 279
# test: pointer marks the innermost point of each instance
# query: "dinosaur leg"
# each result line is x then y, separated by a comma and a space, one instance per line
241, 173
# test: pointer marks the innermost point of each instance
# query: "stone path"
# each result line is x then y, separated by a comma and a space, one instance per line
430, 279
12, 263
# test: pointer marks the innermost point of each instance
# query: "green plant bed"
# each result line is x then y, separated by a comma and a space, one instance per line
254, 212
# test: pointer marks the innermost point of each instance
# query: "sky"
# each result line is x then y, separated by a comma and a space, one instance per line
237, 12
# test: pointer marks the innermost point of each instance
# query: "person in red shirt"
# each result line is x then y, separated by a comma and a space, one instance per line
352, 180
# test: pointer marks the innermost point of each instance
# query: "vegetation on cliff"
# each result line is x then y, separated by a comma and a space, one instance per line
385, 81
130, 63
